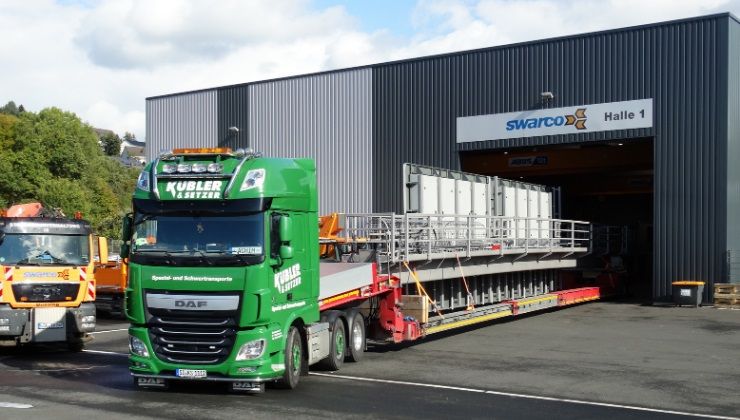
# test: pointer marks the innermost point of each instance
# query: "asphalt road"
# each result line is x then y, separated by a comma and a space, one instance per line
599, 360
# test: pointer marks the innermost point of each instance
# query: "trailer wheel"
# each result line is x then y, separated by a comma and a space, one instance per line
293, 360
356, 338
337, 347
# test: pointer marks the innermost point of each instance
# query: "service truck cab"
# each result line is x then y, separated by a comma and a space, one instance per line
223, 270
47, 288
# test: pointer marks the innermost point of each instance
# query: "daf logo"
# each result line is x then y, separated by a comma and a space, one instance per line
191, 303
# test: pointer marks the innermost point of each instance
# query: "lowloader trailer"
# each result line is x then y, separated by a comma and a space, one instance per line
226, 283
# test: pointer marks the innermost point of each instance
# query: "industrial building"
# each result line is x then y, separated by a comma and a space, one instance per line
639, 127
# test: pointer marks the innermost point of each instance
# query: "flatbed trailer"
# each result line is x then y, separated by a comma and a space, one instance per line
358, 287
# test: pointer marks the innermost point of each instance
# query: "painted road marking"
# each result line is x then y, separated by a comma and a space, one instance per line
108, 331
531, 397
112, 353
56, 369
14, 405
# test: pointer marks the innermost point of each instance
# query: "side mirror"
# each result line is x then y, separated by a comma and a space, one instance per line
285, 229
286, 252
126, 233
103, 250
128, 222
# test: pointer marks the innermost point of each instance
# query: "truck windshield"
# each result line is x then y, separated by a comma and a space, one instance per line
209, 240
40, 249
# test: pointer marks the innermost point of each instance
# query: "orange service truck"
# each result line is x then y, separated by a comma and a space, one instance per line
47, 283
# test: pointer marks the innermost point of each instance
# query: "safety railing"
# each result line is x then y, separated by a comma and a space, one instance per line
413, 237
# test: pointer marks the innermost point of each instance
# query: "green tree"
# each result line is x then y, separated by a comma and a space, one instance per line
111, 144
129, 137
54, 158
10, 108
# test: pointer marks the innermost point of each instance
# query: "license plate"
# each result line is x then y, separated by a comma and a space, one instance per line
191, 373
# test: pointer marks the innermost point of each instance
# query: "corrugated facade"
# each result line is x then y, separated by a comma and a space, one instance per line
327, 117
362, 124
187, 120
679, 64
733, 152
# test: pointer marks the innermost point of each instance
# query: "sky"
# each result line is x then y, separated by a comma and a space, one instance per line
101, 58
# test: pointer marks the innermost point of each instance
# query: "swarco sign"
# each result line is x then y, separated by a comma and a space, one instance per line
554, 121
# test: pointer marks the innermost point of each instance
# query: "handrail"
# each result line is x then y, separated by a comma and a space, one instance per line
426, 236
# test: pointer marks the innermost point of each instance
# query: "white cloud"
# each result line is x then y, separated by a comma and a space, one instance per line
468, 24
108, 115
101, 59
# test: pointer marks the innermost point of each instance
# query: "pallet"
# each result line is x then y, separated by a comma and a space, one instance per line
727, 295
729, 300
727, 288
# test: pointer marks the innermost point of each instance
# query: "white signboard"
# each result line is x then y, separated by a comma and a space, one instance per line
567, 120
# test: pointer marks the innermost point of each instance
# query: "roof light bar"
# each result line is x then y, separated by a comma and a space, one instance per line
203, 151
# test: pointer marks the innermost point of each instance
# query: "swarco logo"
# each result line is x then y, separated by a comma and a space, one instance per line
577, 119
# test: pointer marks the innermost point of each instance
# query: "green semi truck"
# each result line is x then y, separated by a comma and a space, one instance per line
225, 282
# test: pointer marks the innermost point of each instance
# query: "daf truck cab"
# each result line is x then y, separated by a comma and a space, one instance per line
223, 270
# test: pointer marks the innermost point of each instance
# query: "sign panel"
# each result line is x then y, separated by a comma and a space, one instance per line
204, 189
553, 121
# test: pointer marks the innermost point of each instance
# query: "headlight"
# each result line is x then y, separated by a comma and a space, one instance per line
183, 168
143, 182
137, 346
199, 168
88, 318
251, 350
255, 178
169, 168
215, 167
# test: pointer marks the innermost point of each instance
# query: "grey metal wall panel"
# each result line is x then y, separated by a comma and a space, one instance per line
233, 111
733, 152
416, 103
187, 120
326, 117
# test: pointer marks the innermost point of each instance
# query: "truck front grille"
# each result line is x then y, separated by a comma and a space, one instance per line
192, 338
46, 292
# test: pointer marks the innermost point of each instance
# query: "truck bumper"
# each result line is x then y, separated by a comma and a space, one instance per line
12, 321
18, 324
268, 367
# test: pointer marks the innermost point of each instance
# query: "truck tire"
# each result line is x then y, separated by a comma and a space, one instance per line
356, 338
337, 347
293, 360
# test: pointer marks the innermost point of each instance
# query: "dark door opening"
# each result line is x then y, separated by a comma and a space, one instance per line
608, 184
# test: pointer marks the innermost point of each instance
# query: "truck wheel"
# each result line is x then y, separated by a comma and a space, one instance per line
293, 360
356, 339
337, 347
